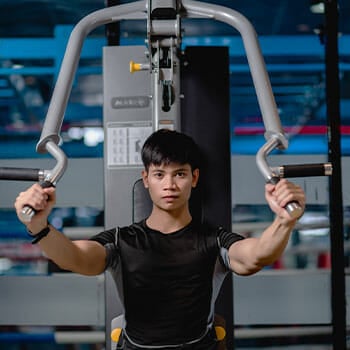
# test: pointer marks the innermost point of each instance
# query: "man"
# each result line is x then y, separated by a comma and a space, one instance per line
168, 267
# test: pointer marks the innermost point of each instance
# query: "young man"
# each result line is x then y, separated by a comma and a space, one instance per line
168, 267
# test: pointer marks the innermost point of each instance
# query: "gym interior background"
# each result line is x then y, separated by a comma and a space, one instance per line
288, 306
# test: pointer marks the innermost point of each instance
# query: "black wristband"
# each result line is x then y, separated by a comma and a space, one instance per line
40, 235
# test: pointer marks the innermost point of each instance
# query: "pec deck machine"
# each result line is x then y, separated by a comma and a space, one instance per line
162, 85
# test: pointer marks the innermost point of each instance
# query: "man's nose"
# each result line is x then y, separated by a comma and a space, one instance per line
169, 182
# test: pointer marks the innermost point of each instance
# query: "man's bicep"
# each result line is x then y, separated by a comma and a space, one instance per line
91, 257
242, 257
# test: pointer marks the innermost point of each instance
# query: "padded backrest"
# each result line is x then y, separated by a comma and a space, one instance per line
142, 204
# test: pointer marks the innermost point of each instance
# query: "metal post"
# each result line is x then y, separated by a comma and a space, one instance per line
335, 186
112, 30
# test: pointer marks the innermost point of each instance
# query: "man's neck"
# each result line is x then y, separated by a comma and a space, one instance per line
168, 222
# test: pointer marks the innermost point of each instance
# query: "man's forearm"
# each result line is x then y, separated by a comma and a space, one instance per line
84, 257
274, 240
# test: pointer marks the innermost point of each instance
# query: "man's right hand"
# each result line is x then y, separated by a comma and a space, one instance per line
41, 200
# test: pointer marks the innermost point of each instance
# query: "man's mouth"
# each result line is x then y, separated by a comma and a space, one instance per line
170, 197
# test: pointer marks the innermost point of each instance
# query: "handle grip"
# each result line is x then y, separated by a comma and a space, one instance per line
305, 170
27, 212
302, 170
20, 174
273, 175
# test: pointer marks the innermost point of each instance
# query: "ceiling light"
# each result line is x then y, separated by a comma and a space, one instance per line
93, 136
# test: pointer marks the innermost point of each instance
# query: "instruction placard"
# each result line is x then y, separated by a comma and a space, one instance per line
124, 144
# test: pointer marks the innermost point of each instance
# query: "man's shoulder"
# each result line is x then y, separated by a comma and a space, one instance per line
134, 226
218, 232
207, 228
133, 229
105, 237
112, 234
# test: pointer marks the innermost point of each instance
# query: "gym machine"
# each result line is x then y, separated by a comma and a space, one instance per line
155, 100
164, 45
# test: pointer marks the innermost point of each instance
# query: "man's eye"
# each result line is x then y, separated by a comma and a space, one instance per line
181, 174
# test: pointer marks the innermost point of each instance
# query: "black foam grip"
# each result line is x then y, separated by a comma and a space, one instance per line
19, 174
304, 170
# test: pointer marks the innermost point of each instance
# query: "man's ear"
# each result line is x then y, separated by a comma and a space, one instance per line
145, 177
195, 177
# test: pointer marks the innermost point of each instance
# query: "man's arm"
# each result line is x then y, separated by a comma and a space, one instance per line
83, 256
252, 254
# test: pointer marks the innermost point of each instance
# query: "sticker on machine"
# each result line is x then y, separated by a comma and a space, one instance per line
124, 144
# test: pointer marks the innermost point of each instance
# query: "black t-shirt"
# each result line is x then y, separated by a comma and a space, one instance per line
168, 282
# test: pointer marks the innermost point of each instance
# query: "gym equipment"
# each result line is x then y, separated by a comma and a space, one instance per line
164, 42
163, 98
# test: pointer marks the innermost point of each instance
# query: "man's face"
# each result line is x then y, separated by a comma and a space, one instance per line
170, 185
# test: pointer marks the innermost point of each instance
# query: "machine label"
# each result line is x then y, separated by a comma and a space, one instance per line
124, 143
130, 102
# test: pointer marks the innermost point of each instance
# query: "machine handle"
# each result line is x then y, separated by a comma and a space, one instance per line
300, 170
23, 174
27, 212
293, 208
46, 178
52, 177
20, 174
304, 170
273, 175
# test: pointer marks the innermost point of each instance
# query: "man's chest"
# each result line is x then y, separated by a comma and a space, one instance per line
166, 261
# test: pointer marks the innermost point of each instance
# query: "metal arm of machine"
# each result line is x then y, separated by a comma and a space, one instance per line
164, 37
293, 208
274, 174
63, 87
46, 178
50, 137
255, 59
157, 28
51, 177
274, 134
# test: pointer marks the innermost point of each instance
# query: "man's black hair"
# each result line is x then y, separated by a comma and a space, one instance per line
168, 146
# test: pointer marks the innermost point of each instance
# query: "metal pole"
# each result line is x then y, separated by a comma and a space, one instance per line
112, 30
255, 59
335, 185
